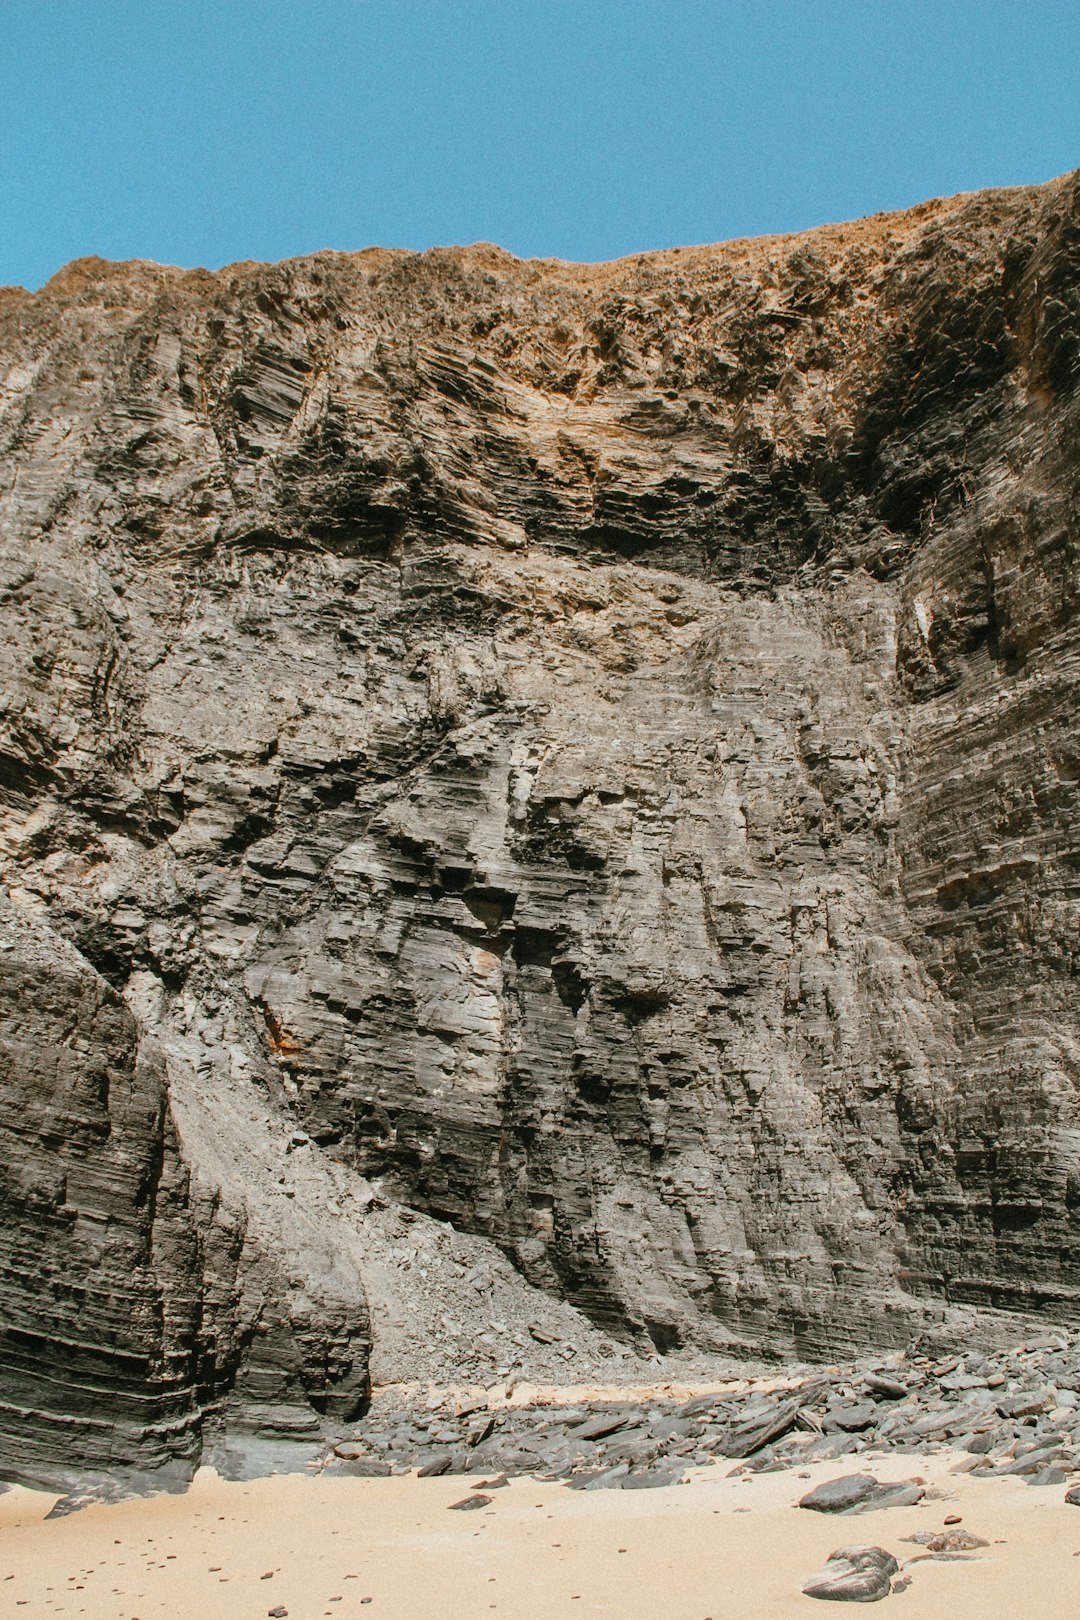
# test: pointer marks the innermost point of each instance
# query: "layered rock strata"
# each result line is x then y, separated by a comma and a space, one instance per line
582, 755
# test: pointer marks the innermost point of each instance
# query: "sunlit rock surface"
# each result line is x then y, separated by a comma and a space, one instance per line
585, 754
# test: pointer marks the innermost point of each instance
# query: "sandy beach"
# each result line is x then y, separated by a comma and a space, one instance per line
715, 1548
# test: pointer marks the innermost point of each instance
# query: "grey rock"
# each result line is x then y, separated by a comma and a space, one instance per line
853, 1419
885, 1389
1028, 1404
854, 1575
744, 1439
840, 1495
859, 1493
469, 1504
362, 1468
598, 1428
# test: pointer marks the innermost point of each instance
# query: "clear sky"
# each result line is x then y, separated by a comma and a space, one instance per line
203, 131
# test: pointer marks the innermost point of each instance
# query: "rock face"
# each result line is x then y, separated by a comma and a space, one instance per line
586, 754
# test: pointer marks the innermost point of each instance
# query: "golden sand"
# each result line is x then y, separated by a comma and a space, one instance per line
717, 1548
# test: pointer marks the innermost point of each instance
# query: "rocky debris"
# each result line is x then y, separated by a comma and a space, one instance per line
538, 819
854, 1575
601, 1444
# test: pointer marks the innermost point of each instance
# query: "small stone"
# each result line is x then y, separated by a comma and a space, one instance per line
469, 1504
885, 1389
277, 1613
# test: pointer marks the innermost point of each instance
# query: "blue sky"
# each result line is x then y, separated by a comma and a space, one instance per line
203, 131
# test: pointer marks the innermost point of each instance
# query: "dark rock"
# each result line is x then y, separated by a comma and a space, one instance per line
743, 1439
885, 1389
1027, 1404
479, 1432
364, 1468
855, 1493
469, 1504
698, 1406
598, 1428
981, 1445
852, 1419
840, 1495
437, 1465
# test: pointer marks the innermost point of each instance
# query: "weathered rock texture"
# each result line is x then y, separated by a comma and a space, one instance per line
587, 753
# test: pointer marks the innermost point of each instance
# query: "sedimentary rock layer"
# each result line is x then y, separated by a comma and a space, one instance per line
585, 754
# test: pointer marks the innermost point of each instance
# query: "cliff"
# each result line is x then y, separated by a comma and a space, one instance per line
533, 795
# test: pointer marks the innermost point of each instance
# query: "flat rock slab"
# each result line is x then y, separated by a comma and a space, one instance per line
743, 1439
858, 1493
469, 1504
599, 1428
854, 1575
